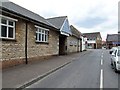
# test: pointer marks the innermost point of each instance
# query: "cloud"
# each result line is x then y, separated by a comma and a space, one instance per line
86, 15
90, 22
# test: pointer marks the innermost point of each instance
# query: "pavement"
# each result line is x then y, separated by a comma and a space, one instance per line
25, 75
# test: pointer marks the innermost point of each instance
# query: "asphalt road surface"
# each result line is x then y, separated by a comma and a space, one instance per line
92, 70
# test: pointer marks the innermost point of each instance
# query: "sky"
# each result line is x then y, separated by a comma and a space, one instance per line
86, 15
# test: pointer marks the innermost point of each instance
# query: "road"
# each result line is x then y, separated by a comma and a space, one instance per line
92, 70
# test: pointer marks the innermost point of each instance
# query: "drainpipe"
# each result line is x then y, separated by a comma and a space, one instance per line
26, 60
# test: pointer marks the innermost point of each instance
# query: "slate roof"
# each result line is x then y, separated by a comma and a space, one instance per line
24, 12
57, 21
113, 37
93, 35
75, 32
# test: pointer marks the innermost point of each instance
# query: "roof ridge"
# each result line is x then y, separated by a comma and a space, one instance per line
57, 17
112, 34
91, 33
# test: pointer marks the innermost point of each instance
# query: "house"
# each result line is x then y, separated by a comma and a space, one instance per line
26, 36
112, 40
63, 27
73, 41
94, 40
83, 43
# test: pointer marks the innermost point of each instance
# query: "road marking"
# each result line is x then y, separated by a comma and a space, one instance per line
101, 79
101, 61
102, 56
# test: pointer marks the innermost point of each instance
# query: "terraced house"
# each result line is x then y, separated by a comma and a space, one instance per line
26, 36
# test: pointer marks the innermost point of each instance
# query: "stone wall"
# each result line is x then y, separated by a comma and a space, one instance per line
72, 44
36, 49
13, 51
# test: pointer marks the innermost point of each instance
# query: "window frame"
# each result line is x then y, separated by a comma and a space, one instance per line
41, 31
8, 19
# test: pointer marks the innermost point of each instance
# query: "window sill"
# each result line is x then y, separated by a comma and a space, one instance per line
41, 42
7, 39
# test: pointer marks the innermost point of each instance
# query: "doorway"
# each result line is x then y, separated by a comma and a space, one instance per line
94, 46
62, 45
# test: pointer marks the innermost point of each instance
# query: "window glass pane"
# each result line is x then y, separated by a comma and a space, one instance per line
39, 30
3, 21
10, 23
45, 37
39, 37
42, 37
46, 32
3, 31
43, 31
10, 32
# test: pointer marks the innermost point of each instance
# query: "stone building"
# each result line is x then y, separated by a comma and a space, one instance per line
94, 40
83, 43
25, 36
74, 41
63, 27
112, 40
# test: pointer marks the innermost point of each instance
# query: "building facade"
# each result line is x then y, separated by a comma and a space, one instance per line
94, 40
73, 41
83, 43
112, 40
25, 36
62, 24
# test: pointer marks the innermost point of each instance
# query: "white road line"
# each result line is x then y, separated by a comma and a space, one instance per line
101, 79
102, 56
101, 61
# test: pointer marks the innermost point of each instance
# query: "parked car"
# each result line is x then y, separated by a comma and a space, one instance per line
112, 49
115, 59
